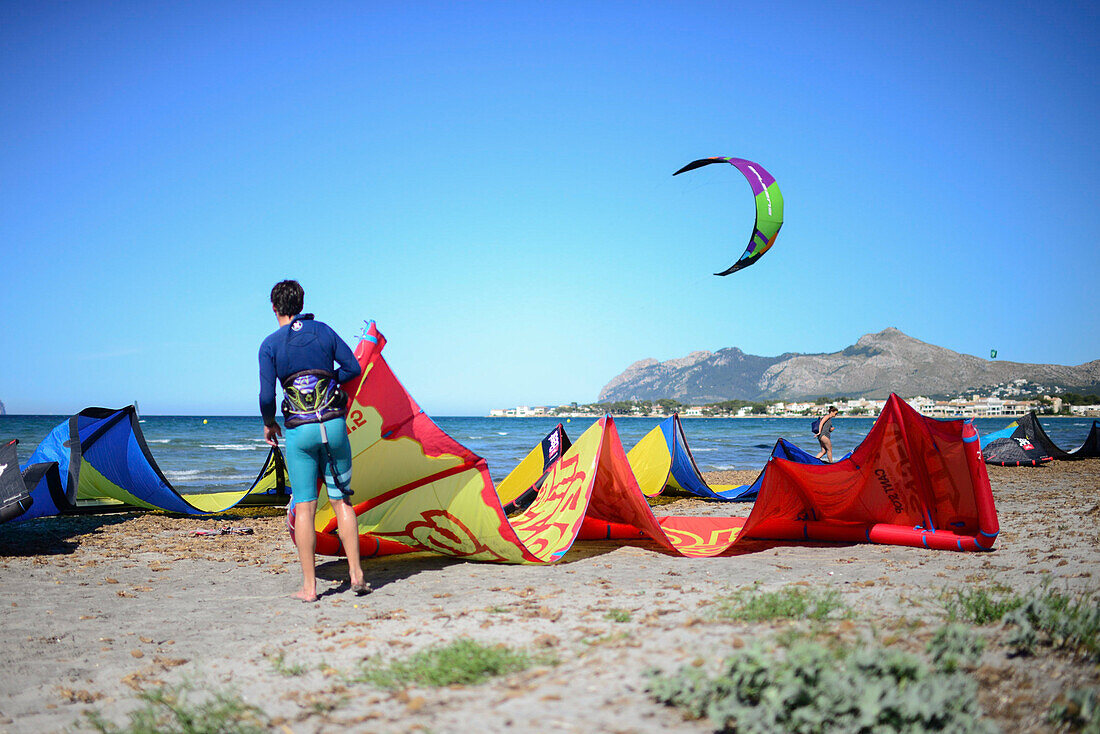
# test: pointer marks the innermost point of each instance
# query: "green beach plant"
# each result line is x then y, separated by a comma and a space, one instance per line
184, 709
790, 602
955, 645
617, 615
463, 662
290, 670
1043, 616
1078, 709
811, 687
1065, 621
981, 605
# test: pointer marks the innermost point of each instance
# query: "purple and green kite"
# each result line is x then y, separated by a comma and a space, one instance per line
769, 207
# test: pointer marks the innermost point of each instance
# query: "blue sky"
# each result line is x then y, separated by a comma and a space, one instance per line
492, 183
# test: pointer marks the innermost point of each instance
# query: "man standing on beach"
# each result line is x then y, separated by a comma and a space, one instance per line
301, 354
824, 428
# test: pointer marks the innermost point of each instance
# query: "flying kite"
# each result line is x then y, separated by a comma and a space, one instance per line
769, 207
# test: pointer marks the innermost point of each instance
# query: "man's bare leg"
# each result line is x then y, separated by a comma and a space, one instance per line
306, 542
347, 526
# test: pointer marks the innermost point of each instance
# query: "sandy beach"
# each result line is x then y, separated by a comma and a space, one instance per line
99, 608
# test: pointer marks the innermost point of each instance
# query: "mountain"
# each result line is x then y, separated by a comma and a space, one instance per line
873, 367
2, 411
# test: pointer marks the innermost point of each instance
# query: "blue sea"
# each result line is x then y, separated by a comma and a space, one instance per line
226, 452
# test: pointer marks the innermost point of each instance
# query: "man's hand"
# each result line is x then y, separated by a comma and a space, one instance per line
272, 433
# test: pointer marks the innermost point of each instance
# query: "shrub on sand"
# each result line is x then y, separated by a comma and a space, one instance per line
185, 710
814, 688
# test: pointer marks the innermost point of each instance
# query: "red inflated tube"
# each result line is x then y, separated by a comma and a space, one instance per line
883, 533
592, 529
988, 527
777, 529
328, 544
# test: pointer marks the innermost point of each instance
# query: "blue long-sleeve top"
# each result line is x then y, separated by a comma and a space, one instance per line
303, 344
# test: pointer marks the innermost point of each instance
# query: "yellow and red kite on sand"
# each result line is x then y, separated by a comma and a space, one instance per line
913, 481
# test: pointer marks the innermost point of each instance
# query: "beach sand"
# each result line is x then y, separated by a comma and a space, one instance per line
99, 608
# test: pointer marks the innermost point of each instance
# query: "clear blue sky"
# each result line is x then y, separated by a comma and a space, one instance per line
492, 183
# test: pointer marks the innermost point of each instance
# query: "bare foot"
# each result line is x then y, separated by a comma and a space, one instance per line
306, 596
362, 588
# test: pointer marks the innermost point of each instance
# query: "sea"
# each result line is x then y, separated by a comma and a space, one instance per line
215, 453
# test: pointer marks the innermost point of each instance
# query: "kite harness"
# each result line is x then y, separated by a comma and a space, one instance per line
312, 396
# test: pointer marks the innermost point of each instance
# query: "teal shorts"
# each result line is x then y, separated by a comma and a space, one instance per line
307, 460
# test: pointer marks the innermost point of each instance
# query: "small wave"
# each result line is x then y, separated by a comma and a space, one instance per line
230, 446
502, 433
158, 440
725, 467
474, 438
183, 474
187, 477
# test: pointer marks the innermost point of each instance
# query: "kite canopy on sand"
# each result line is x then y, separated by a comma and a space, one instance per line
1011, 446
103, 462
1029, 429
769, 207
15, 497
662, 460
913, 481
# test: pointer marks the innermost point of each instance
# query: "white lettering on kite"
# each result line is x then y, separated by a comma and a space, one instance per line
766, 194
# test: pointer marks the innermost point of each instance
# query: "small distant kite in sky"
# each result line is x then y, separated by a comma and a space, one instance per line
769, 207
992, 353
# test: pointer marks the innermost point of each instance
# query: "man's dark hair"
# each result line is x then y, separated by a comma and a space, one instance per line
288, 298
832, 409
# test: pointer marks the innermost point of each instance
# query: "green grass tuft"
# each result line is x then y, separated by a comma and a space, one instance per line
617, 615
175, 710
789, 602
281, 667
981, 606
463, 662
816, 688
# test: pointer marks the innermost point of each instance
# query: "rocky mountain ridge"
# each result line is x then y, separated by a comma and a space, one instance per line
873, 367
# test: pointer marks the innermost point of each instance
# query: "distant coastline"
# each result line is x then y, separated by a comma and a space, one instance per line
972, 407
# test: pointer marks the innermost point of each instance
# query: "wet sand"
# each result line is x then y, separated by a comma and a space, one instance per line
98, 608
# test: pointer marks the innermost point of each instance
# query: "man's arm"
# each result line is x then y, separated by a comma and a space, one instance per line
267, 385
349, 365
